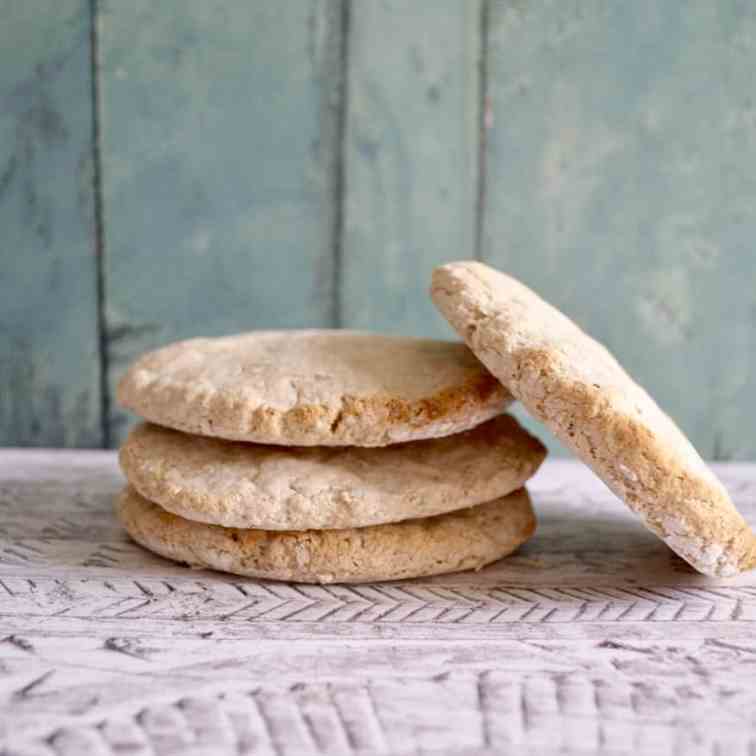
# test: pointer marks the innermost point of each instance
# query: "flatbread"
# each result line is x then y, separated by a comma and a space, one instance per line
245, 485
575, 386
467, 539
305, 388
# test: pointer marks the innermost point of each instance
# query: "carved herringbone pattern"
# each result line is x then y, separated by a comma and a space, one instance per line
415, 603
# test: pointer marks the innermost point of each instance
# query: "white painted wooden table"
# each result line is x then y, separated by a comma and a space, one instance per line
594, 638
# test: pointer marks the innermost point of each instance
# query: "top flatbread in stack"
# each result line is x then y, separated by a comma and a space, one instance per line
306, 388
574, 385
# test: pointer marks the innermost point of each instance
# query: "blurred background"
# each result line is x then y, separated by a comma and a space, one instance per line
203, 167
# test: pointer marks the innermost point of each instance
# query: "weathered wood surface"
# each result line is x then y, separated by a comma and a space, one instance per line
410, 157
220, 138
594, 638
306, 162
49, 396
620, 184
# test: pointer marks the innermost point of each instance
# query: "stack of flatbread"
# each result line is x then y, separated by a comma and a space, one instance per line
336, 456
324, 456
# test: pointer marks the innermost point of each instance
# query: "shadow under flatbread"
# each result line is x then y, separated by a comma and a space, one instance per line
586, 535
585, 549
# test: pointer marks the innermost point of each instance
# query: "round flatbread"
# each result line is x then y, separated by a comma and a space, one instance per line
306, 388
463, 540
573, 384
244, 485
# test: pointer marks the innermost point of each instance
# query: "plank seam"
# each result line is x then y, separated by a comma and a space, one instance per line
482, 118
99, 231
339, 190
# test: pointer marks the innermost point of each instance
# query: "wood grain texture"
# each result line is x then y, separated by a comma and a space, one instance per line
620, 185
349, 698
411, 152
594, 638
219, 130
49, 367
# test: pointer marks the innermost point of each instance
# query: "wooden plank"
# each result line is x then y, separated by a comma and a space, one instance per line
49, 366
314, 697
590, 560
620, 184
150, 600
220, 128
411, 157
735, 631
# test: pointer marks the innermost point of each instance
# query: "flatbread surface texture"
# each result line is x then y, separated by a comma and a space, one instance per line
313, 387
244, 485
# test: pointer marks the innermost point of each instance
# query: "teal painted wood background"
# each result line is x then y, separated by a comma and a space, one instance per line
197, 168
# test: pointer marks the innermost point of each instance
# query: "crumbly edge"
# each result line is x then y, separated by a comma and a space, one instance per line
358, 421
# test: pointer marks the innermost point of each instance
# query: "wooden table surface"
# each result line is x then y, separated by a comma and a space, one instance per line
594, 638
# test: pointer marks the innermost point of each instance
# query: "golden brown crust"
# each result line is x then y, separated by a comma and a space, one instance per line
467, 539
574, 385
237, 484
307, 388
